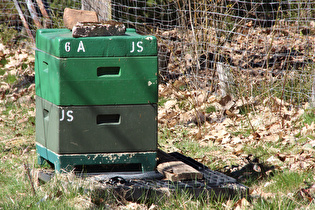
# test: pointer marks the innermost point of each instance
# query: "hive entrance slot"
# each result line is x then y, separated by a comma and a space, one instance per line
130, 167
108, 71
46, 114
108, 119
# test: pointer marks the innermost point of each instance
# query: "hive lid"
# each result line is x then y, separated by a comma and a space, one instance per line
60, 43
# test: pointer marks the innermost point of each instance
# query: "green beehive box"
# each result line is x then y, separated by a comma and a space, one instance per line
96, 129
96, 81
95, 70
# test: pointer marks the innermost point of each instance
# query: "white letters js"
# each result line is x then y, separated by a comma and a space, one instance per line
68, 115
139, 47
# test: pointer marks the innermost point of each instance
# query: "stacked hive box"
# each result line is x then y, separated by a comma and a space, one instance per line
96, 99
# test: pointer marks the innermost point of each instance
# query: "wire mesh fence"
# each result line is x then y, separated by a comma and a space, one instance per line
243, 48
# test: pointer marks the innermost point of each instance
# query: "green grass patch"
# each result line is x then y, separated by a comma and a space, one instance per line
2, 71
10, 79
7, 34
3, 62
245, 110
283, 188
18, 192
305, 139
184, 200
288, 181
245, 132
162, 101
282, 202
309, 116
210, 109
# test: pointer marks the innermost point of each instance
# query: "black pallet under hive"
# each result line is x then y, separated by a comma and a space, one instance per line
214, 184
152, 185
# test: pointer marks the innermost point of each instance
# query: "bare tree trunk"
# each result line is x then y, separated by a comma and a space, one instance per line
33, 13
103, 8
47, 21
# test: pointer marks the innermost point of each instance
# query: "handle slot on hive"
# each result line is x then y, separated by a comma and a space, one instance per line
108, 71
45, 66
108, 119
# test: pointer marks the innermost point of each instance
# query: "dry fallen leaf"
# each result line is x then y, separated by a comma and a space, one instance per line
242, 204
170, 104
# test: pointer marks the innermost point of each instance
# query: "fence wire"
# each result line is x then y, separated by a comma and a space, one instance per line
244, 48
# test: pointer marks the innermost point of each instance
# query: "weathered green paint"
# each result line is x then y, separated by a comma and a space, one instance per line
96, 81
96, 129
66, 162
60, 43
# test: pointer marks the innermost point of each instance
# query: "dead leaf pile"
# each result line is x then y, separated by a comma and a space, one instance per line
254, 55
236, 124
17, 74
17, 88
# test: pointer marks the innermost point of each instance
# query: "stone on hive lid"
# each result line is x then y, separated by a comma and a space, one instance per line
91, 29
72, 16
